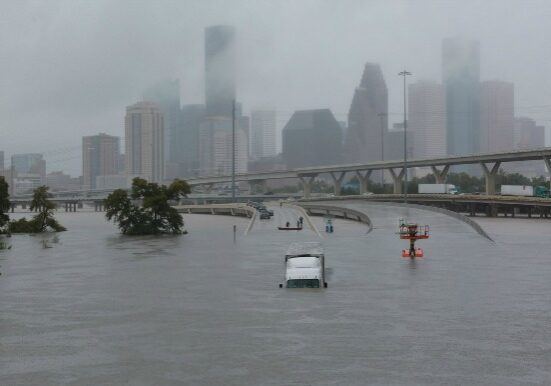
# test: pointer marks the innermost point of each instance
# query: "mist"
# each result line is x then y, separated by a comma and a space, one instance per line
70, 68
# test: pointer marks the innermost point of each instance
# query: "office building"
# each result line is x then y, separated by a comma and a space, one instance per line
216, 144
144, 139
100, 156
220, 68
367, 118
30, 164
263, 133
461, 78
184, 160
527, 134
497, 116
166, 95
427, 119
312, 138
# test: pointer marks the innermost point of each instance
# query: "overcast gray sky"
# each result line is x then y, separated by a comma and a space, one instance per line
70, 67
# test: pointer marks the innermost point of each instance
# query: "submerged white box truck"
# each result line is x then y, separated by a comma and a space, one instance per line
305, 266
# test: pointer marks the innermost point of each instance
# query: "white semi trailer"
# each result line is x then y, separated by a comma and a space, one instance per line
437, 189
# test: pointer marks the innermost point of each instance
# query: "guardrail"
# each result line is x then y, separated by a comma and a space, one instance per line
313, 209
219, 209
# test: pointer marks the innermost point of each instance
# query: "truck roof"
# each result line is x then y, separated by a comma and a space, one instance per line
312, 248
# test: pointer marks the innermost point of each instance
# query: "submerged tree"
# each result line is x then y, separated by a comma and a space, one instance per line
4, 204
44, 220
147, 210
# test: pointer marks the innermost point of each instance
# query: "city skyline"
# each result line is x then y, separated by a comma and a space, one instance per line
267, 55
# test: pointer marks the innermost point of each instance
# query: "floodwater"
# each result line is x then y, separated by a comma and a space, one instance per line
98, 308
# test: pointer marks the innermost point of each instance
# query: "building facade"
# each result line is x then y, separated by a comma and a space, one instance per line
216, 144
461, 79
144, 140
30, 163
427, 119
166, 95
312, 138
100, 156
220, 68
497, 116
263, 133
367, 118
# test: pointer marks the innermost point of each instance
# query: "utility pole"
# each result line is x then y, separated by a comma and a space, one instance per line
405, 74
382, 116
233, 151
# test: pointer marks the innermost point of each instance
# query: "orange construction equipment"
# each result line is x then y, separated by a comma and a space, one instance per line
412, 232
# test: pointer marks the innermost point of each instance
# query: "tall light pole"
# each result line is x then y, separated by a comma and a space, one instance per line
233, 151
405, 74
382, 116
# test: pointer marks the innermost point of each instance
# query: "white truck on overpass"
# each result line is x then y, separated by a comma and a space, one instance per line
437, 189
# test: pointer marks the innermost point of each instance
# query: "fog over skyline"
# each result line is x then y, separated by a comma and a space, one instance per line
70, 67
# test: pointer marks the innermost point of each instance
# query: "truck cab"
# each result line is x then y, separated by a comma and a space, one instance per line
305, 266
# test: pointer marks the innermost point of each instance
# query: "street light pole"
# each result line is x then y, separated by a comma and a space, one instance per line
382, 116
404, 74
233, 151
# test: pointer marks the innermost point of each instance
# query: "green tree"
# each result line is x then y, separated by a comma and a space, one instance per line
147, 210
4, 204
44, 219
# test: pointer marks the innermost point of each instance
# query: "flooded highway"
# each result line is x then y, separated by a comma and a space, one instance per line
98, 308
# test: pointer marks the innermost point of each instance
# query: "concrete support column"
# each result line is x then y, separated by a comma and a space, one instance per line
490, 175
364, 180
440, 174
307, 182
66, 207
397, 179
337, 181
548, 164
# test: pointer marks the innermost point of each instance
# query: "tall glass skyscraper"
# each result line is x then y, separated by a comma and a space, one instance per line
461, 79
220, 65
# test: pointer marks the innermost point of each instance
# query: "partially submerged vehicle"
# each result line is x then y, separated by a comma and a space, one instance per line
305, 266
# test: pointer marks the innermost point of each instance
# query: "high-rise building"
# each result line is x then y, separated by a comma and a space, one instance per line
31, 163
144, 139
184, 159
497, 116
461, 78
1, 161
367, 117
263, 130
100, 157
166, 95
427, 119
220, 68
312, 138
216, 144
528, 135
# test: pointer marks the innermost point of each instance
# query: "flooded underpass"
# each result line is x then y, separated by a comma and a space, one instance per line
99, 308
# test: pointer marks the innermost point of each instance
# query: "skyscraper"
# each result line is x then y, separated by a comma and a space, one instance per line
220, 64
1, 161
100, 157
528, 135
497, 116
367, 117
312, 138
427, 119
166, 95
30, 163
144, 137
461, 78
184, 159
263, 133
215, 147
